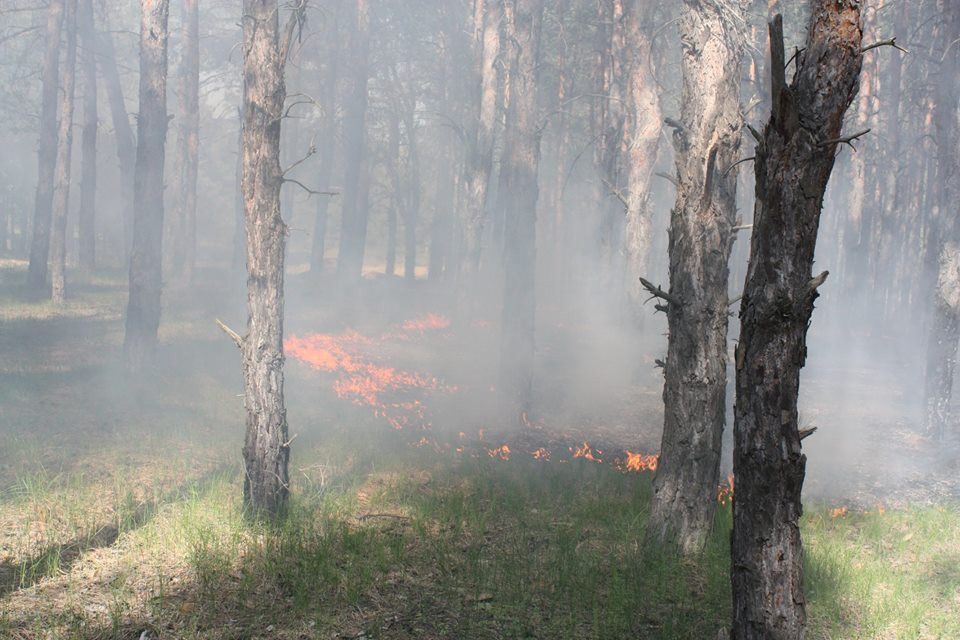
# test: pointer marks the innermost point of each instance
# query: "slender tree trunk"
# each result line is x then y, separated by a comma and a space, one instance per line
143, 305
642, 137
353, 237
707, 144
411, 210
123, 132
87, 253
61, 196
47, 153
396, 194
520, 166
266, 450
328, 146
184, 249
794, 159
945, 327
478, 162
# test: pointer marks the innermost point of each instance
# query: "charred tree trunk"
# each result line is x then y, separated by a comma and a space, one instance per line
143, 305
123, 132
945, 327
328, 137
478, 161
794, 159
61, 197
642, 137
266, 449
707, 142
87, 254
47, 153
519, 170
184, 254
353, 237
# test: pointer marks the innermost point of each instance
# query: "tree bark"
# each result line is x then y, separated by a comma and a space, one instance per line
184, 247
61, 196
794, 159
707, 144
47, 151
945, 327
411, 209
143, 305
123, 132
266, 450
353, 237
87, 250
519, 171
641, 139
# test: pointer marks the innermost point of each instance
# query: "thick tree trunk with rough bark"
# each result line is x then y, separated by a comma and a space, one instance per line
122, 132
353, 236
47, 151
266, 449
945, 327
641, 139
61, 194
87, 249
794, 159
478, 161
143, 305
707, 143
184, 249
519, 169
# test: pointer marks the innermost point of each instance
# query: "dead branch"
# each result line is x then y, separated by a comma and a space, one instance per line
371, 516
310, 191
741, 227
616, 192
844, 139
658, 292
804, 433
660, 364
889, 42
298, 15
231, 333
735, 300
753, 132
667, 176
741, 161
815, 282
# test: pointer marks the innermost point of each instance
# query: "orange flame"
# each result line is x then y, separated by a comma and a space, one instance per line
839, 512
541, 454
502, 452
725, 491
640, 462
584, 451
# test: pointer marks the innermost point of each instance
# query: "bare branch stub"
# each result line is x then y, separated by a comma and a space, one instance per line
233, 335
657, 292
310, 191
889, 42
844, 139
668, 177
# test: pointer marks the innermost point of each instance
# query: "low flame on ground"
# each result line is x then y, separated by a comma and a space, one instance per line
502, 452
839, 512
366, 383
640, 462
586, 452
725, 491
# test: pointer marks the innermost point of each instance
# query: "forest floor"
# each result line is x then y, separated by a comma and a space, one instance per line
120, 496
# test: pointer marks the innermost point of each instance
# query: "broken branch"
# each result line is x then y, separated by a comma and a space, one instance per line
667, 176
844, 139
889, 42
231, 333
657, 292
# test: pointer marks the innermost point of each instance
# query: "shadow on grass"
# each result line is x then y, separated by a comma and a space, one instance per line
60, 557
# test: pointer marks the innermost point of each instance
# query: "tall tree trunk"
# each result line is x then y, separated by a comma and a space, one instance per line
396, 193
328, 147
641, 139
945, 327
123, 132
61, 197
87, 253
266, 449
353, 237
519, 171
184, 243
143, 305
238, 261
707, 143
411, 209
478, 161
794, 159
47, 151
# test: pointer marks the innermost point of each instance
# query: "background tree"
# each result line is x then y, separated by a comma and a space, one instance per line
794, 160
143, 305
61, 198
47, 152
184, 249
87, 231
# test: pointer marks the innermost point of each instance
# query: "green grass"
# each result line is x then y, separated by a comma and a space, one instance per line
120, 511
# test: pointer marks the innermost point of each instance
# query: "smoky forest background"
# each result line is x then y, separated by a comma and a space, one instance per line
479, 319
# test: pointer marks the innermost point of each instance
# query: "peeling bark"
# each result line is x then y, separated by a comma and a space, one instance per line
794, 160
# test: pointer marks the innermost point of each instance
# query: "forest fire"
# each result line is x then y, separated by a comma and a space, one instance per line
640, 462
366, 383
